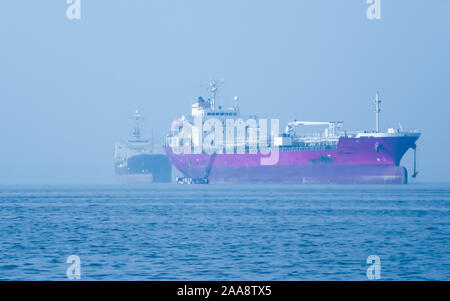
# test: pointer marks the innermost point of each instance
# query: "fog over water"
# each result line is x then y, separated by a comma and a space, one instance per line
68, 88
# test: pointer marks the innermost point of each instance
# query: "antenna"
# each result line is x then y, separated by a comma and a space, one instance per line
212, 88
377, 112
137, 125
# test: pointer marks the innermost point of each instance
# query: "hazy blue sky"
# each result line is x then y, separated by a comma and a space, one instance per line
67, 88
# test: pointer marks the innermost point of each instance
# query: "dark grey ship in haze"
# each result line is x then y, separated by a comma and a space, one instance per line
136, 162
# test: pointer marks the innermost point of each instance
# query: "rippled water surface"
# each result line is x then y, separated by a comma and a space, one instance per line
207, 232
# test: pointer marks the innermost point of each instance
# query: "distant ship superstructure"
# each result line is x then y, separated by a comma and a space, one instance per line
136, 162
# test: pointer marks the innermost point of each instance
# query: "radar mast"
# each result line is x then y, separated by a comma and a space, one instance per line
377, 112
213, 86
137, 117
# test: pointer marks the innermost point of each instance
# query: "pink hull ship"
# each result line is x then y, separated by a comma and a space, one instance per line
334, 157
355, 161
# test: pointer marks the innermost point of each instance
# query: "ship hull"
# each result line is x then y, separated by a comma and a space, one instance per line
154, 168
364, 160
343, 174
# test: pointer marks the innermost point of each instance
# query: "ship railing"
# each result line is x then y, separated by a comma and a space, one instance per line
316, 141
352, 134
269, 149
307, 148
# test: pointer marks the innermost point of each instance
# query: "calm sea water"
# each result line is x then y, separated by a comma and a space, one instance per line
207, 232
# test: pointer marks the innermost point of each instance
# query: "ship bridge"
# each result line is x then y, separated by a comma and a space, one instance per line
207, 108
203, 108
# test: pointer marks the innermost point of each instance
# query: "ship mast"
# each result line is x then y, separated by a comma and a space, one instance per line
377, 112
213, 86
213, 91
137, 126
